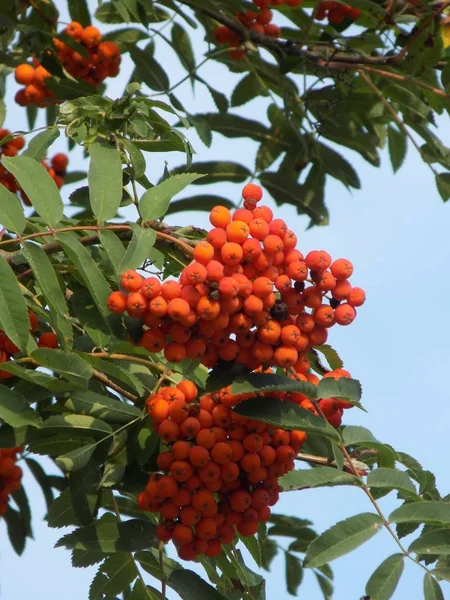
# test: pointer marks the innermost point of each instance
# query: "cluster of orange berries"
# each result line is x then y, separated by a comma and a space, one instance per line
219, 476
10, 475
337, 12
98, 61
56, 167
245, 297
259, 21
47, 339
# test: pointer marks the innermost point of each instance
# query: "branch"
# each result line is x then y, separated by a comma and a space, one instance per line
291, 47
124, 232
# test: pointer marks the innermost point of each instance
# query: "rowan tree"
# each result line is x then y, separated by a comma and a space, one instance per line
181, 379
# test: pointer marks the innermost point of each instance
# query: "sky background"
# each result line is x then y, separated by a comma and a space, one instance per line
395, 231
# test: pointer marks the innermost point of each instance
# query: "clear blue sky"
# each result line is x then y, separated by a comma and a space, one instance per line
395, 230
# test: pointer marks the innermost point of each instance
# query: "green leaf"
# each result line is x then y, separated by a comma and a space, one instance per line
317, 477
61, 513
71, 366
432, 542
181, 43
15, 410
326, 587
255, 382
294, 573
190, 586
156, 200
105, 181
120, 570
286, 190
219, 171
345, 388
342, 538
42, 480
390, 479
123, 37
397, 144
79, 11
109, 536
252, 544
337, 166
201, 202
442, 573
11, 211
355, 436
83, 424
16, 529
38, 146
76, 459
247, 89
384, 580
333, 358
431, 588
86, 558
88, 270
286, 415
13, 310
443, 185
148, 70
37, 184
138, 248
103, 407
45, 275
422, 512
114, 250
235, 126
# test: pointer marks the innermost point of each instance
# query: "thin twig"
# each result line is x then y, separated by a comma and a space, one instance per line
102, 377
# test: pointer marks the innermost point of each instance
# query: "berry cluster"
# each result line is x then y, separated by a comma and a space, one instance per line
337, 12
245, 297
97, 61
56, 167
10, 475
259, 21
220, 473
47, 339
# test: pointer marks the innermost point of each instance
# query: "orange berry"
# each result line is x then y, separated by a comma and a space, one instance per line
131, 281
182, 534
168, 431
177, 309
341, 268
117, 302
206, 529
91, 36
170, 290
174, 352
203, 252
220, 217
181, 470
356, 297
324, 315
189, 390
231, 253
344, 314
237, 231
24, 74
60, 161
216, 237
189, 515
48, 340
221, 453
240, 500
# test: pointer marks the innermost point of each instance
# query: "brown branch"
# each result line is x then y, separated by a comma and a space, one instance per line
291, 47
124, 233
101, 377
404, 51
324, 461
